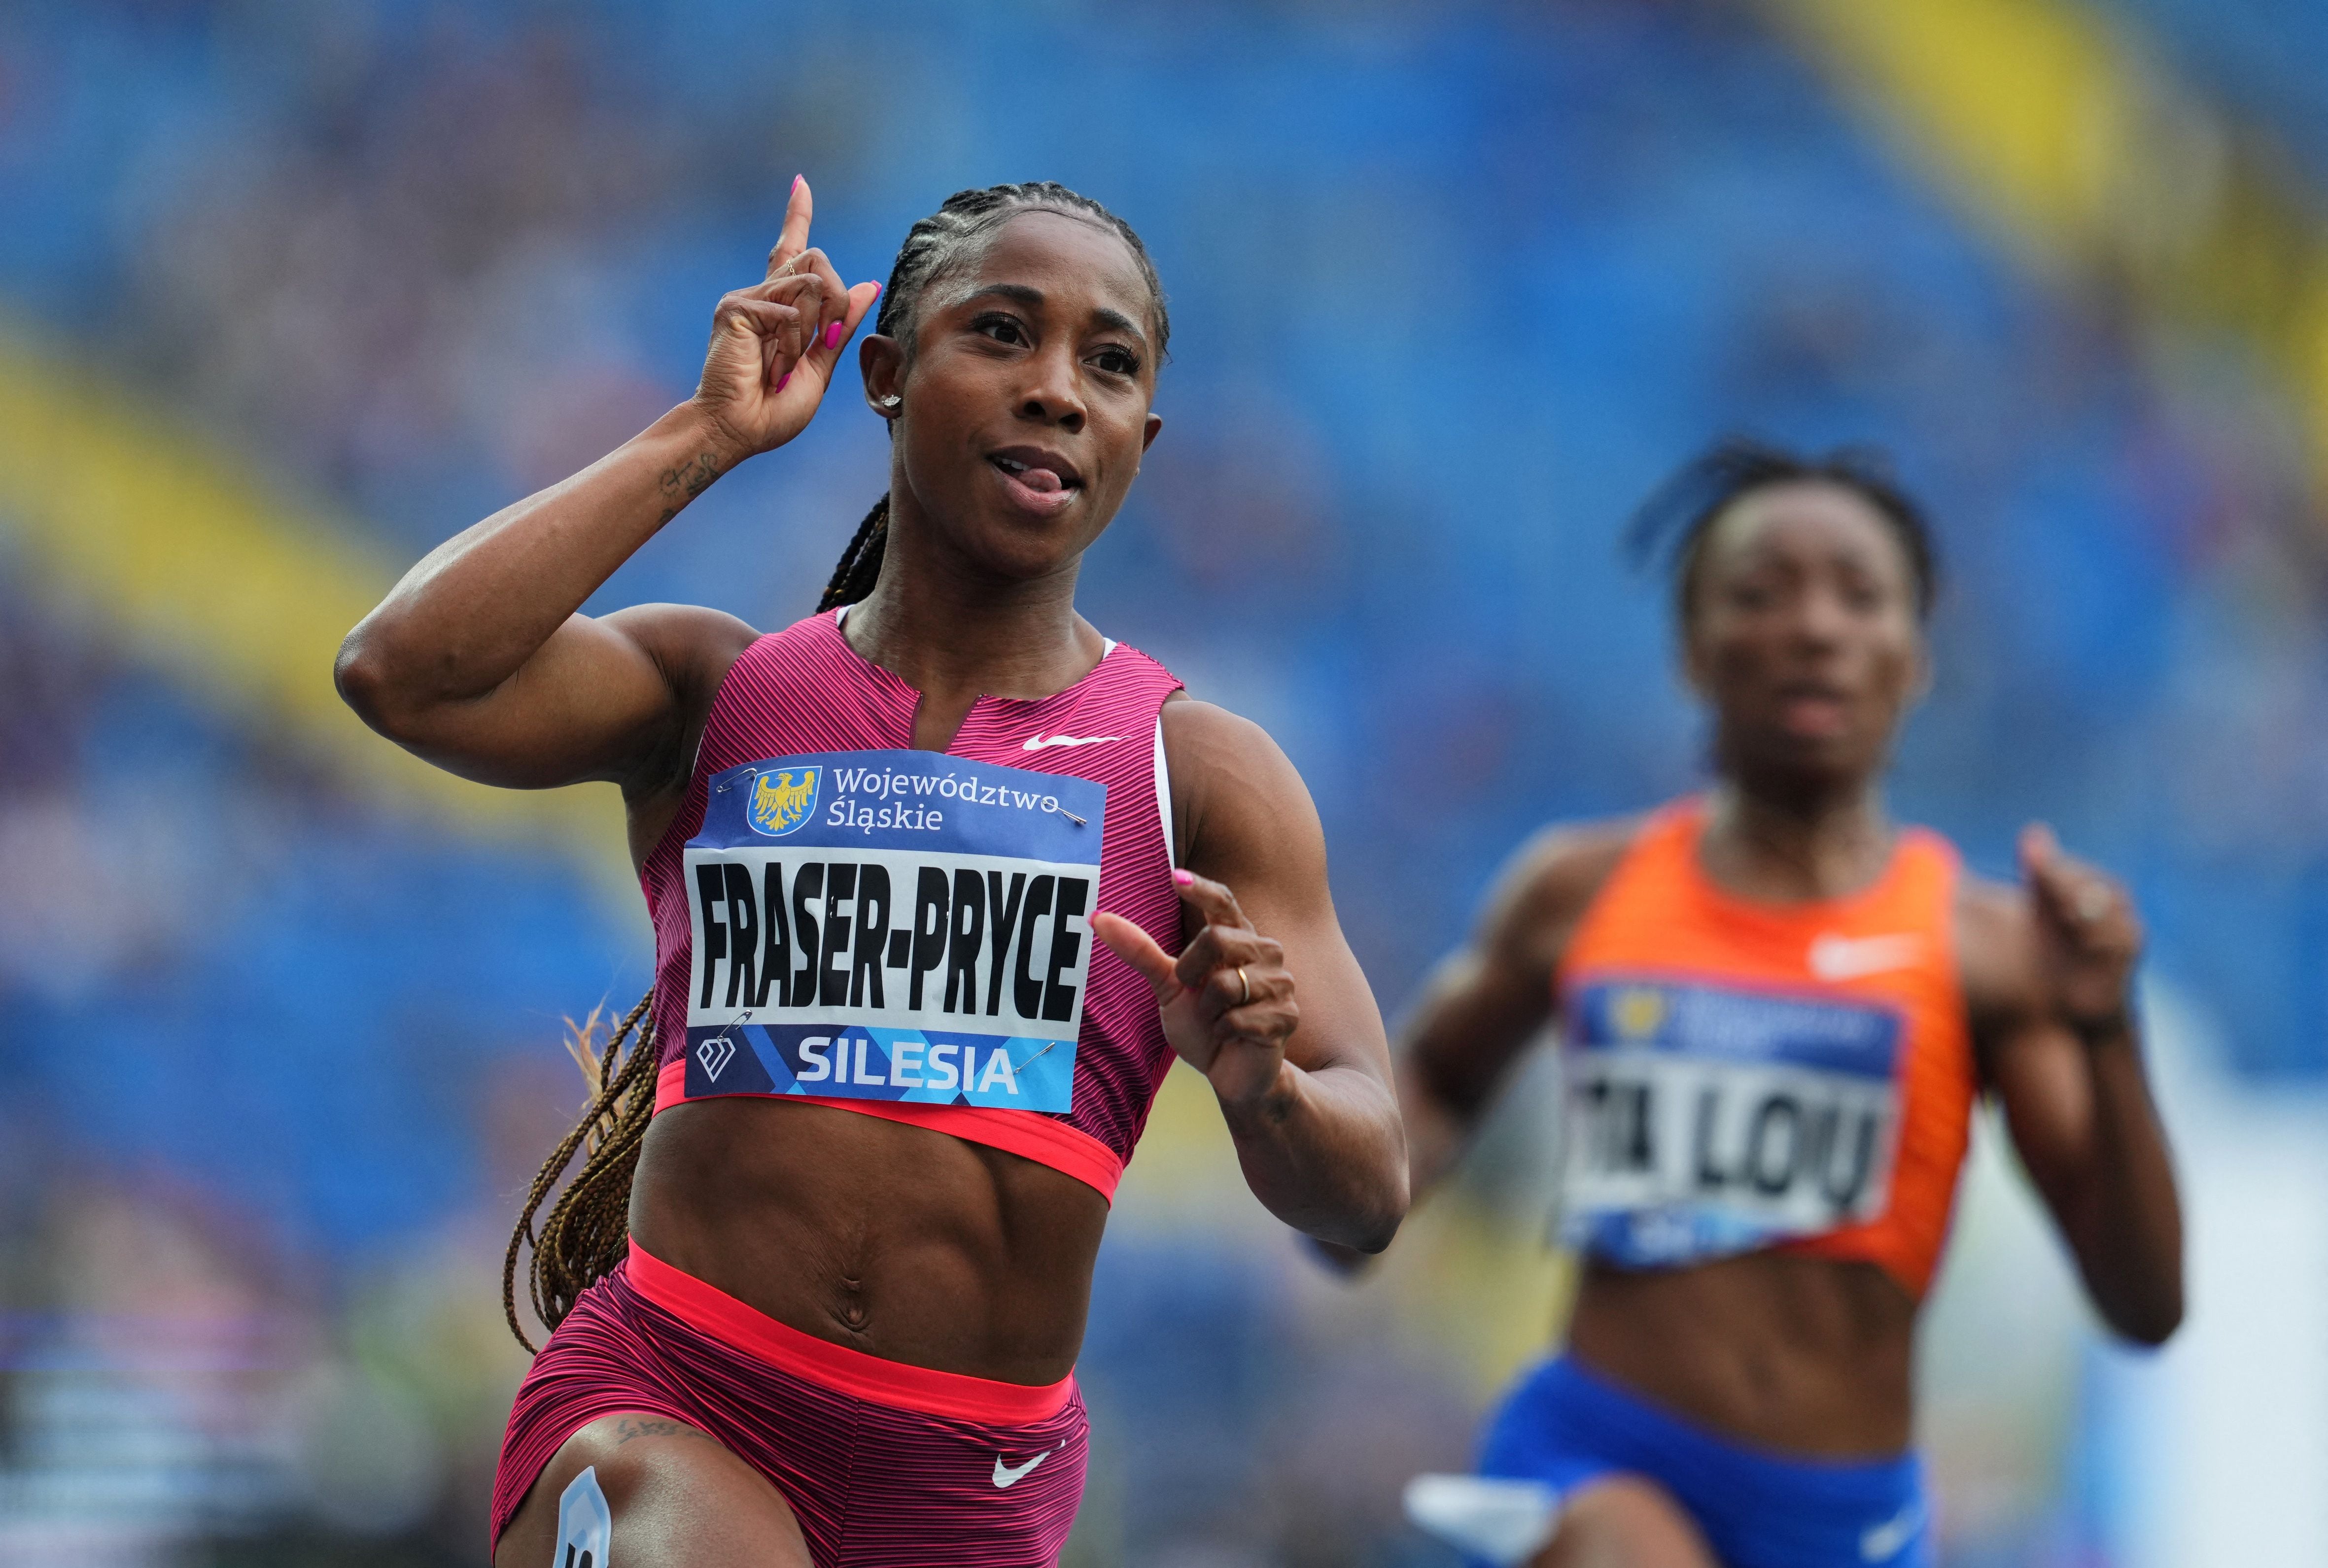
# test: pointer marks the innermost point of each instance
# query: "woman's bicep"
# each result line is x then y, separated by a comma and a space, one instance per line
602, 699
1488, 1002
1254, 828
1341, 1024
2038, 1074
2029, 1064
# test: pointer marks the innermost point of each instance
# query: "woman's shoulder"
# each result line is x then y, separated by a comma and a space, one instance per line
1206, 745
691, 647
686, 640
1561, 867
810, 649
1193, 724
1996, 949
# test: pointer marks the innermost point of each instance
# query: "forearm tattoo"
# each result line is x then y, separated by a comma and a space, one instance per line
684, 483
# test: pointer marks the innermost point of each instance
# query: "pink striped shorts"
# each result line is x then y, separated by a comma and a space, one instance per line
885, 1465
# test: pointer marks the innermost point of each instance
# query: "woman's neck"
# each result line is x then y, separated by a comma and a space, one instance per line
955, 633
1798, 847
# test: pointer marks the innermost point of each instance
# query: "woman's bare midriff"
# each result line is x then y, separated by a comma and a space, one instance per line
1804, 1355
893, 1239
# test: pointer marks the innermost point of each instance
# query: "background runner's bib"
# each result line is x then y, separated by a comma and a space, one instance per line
892, 925
1705, 1121
1743, 1076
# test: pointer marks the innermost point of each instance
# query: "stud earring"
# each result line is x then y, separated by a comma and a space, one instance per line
891, 401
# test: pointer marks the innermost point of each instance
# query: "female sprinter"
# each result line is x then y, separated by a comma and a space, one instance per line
826, 1306
1777, 1008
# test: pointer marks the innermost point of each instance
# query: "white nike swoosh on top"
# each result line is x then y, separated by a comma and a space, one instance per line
1039, 741
1005, 1476
1833, 957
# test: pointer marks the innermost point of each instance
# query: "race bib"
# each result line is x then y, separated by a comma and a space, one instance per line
892, 926
1705, 1122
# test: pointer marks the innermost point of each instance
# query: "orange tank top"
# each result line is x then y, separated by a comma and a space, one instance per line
1744, 1075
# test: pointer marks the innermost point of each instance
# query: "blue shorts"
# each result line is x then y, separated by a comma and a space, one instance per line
1565, 1426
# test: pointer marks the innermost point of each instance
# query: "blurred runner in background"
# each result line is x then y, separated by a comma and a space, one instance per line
826, 1304
1777, 1008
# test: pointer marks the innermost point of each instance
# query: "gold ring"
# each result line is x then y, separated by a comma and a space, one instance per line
1246, 984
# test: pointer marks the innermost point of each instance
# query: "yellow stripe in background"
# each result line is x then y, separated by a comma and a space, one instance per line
239, 595
2081, 153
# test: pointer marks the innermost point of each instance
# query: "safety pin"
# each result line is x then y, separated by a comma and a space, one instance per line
1071, 817
1039, 1056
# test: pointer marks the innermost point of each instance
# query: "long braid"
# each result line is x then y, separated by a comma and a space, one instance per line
860, 564
932, 244
588, 1228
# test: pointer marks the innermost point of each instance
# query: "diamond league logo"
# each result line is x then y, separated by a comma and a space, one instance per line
714, 1054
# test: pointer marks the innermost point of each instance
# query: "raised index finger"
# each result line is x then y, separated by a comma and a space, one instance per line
794, 240
2040, 857
2060, 882
1213, 900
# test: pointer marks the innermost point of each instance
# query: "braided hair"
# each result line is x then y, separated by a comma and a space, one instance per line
936, 243
1679, 515
589, 1227
587, 1230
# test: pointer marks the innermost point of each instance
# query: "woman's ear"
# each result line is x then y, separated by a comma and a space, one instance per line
1692, 662
882, 361
1921, 686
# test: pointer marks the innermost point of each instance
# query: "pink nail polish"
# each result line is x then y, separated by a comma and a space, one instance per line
1183, 878
781, 379
832, 336
796, 181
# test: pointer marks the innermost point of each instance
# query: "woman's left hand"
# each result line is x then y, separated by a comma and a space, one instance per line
1227, 1001
2088, 937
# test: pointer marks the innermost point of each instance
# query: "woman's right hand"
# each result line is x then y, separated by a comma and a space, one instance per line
774, 345
479, 659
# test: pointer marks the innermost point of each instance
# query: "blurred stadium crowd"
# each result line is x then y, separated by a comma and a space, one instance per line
1454, 286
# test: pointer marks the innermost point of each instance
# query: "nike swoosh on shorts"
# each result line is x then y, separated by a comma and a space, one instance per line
1005, 1476
1039, 741
1882, 1542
